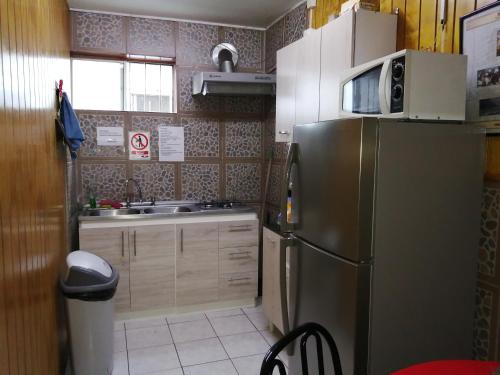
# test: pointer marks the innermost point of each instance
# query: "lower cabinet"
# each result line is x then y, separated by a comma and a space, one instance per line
178, 264
197, 263
112, 245
152, 266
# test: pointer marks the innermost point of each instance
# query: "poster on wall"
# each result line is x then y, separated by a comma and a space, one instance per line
110, 136
139, 145
480, 41
171, 143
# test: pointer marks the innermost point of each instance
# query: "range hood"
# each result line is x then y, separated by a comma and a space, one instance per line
226, 82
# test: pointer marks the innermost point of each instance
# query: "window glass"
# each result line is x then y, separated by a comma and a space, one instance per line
150, 87
97, 85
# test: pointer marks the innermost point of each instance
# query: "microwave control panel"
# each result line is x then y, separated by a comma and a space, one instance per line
397, 84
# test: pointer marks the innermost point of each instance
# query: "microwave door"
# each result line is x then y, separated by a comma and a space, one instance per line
384, 88
360, 93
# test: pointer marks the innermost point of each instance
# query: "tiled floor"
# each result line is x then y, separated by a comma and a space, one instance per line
220, 342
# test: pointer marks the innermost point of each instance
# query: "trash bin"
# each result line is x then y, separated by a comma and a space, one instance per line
89, 286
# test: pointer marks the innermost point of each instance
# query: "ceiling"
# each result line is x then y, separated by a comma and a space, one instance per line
251, 13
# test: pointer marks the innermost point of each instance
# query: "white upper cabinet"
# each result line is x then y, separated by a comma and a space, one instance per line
286, 69
350, 40
308, 78
308, 71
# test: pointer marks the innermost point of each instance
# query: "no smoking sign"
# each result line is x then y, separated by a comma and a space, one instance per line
139, 145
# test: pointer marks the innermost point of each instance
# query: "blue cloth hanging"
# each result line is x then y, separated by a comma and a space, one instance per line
72, 130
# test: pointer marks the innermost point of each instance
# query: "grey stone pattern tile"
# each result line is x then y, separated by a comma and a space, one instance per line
89, 124
156, 180
97, 31
295, 24
243, 104
243, 138
188, 103
249, 45
488, 245
243, 181
275, 150
151, 124
200, 181
149, 36
201, 137
195, 42
274, 41
275, 182
105, 180
482, 323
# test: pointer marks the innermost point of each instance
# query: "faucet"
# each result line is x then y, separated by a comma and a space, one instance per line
138, 189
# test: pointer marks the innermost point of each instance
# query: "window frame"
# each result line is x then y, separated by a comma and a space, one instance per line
126, 60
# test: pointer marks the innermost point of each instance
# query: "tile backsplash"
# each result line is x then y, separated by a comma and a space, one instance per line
227, 139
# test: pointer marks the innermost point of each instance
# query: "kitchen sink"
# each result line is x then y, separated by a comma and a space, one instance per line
167, 210
117, 212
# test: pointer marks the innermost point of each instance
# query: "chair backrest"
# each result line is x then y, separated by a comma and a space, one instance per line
307, 330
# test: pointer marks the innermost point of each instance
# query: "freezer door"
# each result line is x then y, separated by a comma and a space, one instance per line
334, 293
332, 185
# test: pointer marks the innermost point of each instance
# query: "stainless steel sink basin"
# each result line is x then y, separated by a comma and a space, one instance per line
167, 210
117, 212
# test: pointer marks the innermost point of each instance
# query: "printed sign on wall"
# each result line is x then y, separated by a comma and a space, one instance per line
109, 136
139, 145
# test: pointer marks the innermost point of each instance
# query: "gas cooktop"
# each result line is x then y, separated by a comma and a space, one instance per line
218, 205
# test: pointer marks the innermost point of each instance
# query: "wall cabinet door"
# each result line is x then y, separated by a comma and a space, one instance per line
152, 266
197, 263
112, 245
286, 70
308, 77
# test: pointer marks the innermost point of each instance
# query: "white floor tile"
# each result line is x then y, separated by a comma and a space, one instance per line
176, 371
145, 323
160, 358
213, 368
148, 337
202, 351
120, 363
225, 312
252, 309
271, 337
251, 365
188, 317
191, 331
244, 344
119, 325
231, 325
119, 345
259, 320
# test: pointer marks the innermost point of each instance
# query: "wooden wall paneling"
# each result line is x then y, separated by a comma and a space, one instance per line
462, 7
428, 19
445, 33
412, 22
386, 6
400, 6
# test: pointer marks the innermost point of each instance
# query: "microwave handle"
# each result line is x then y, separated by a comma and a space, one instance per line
384, 88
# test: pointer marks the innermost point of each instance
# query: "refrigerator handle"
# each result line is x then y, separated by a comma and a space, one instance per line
290, 160
289, 290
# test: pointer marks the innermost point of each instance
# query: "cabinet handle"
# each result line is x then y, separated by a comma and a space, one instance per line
239, 279
135, 243
182, 240
283, 132
246, 229
240, 253
123, 244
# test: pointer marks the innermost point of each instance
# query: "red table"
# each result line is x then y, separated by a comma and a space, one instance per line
452, 368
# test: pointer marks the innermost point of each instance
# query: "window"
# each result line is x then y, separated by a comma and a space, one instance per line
122, 85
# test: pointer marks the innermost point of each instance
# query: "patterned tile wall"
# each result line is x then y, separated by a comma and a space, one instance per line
249, 44
201, 137
156, 180
105, 180
89, 123
97, 32
243, 138
186, 103
152, 37
200, 181
274, 42
243, 181
295, 24
195, 43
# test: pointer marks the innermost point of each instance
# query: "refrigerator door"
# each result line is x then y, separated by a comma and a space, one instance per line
334, 293
332, 189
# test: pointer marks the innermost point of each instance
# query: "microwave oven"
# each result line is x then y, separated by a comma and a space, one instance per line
408, 84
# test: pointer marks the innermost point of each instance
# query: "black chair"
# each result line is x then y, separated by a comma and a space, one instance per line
307, 330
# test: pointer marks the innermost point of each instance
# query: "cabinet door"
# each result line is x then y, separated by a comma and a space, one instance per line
152, 266
273, 289
308, 76
286, 68
197, 263
112, 245
244, 233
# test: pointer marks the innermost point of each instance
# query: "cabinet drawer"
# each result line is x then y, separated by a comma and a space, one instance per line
240, 259
238, 285
238, 234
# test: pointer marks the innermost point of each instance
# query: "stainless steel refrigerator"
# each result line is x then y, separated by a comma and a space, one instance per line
383, 239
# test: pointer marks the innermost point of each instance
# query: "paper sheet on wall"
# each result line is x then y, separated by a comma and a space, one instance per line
171, 143
110, 136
